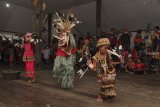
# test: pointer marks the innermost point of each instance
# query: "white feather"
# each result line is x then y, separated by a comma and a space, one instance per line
3, 38
31, 40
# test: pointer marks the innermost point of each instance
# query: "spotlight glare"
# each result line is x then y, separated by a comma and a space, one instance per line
7, 5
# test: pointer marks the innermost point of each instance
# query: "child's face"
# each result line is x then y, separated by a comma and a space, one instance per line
138, 60
130, 59
86, 41
103, 49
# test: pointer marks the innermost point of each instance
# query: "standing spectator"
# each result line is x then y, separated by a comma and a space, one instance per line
125, 39
155, 38
138, 41
157, 31
46, 55
112, 38
147, 39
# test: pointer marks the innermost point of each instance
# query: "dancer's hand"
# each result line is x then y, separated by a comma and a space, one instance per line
22, 38
89, 63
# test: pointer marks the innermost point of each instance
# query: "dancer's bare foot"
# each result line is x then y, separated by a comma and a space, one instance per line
99, 98
29, 81
33, 80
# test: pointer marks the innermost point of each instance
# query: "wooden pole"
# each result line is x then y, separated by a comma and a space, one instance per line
98, 16
49, 28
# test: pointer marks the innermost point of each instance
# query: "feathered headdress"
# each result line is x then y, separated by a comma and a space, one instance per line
64, 24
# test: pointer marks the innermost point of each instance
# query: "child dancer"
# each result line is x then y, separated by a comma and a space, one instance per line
105, 72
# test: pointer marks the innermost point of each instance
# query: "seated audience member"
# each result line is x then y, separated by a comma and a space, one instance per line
134, 54
129, 66
139, 66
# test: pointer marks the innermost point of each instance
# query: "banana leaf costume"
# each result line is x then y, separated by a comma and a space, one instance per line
65, 60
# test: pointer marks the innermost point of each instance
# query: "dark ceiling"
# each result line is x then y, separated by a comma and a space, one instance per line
52, 5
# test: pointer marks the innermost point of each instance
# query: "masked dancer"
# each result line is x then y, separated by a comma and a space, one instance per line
65, 56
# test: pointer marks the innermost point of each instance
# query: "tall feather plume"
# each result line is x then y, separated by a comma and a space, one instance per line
35, 3
65, 24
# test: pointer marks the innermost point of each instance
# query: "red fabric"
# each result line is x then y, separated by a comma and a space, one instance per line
11, 59
138, 40
139, 66
141, 40
29, 65
74, 50
120, 41
30, 68
134, 54
125, 53
86, 38
64, 54
131, 65
28, 51
158, 33
112, 40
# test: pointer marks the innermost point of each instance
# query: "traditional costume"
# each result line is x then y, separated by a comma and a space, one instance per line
105, 72
65, 56
28, 57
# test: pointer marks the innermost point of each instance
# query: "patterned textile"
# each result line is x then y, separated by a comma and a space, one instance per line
64, 62
103, 41
28, 57
64, 66
30, 68
105, 77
